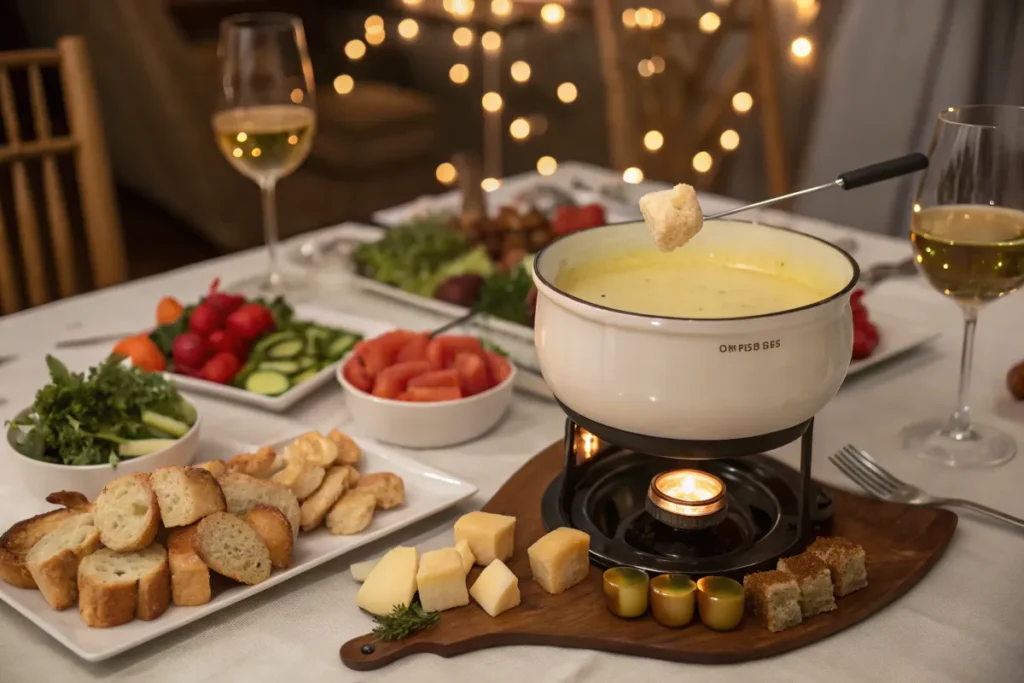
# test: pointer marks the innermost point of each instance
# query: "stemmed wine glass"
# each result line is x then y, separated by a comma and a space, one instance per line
265, 121
967, 231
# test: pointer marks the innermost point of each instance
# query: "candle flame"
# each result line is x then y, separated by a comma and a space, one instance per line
689, 484
590, 444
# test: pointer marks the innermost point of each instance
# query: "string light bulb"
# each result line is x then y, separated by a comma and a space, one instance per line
343, 84
658, 64
519, 129
446, 173
490, 184
646, 68
355, 49
653, 140
709, 22
546, 165
801, 47
375, 37
520, 71
297, 95
412, 3
567, 92
702, 162
633, 175
552, 13
629, 17
373, 23
644, 17
742, 102
729, 139
462, 36
501, 8
408, 29
657, 18
491, 41
459, 8
491, 102
458, 74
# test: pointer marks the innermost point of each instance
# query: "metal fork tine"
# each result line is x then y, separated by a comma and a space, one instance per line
854, 462
869, 461
854, 475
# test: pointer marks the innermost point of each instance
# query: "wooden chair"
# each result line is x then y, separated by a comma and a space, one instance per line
45, 260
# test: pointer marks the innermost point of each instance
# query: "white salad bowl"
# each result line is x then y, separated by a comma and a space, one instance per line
40, 479
428, 425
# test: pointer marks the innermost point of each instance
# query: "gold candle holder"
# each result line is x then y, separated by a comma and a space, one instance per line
673, 597
720, 602
687, 499
625, 591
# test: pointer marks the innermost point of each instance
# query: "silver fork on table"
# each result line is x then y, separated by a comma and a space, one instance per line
879, 482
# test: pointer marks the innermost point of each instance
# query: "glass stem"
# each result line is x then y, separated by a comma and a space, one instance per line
959, 425
267, 188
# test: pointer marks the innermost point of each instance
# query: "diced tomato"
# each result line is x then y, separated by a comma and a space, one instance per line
355, 374
431, 394
473, 373
437, 378
564, 220
391, 381
414, 349
442, 350
589, 216
499, 367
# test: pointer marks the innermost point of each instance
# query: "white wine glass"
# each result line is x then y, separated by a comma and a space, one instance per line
265, 122
967, 230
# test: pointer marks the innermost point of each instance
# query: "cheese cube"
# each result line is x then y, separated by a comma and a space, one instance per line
391, 582
360, 570
496, 589
560, 559
467, 555
490, 536
441, 580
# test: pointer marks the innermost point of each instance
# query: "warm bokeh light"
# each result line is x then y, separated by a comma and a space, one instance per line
552, 13
501, 8
653, 140
520, 71
374, 22
491, 41
237, 152
629, 17
729, 139
644, 17
446, 173
742, 102
459, 8
408, 28
658, 64
343, 84
459, 73
491, 101
412, 3
242, 137
546, 165
375, 37
567, 92
297, 95
801, 47
702, 162
657, 17
490, 184
462, 36
633, 175
806, 4
256, 151
646, 68
355, 49
519, 129
709, 22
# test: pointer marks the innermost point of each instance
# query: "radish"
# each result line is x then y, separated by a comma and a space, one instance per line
190, 350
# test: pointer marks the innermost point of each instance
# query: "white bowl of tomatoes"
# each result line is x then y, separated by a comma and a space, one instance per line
410, 389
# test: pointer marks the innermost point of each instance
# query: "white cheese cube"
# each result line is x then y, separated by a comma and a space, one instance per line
672, 216
490, 536
360, 570
468, 558
392, 582
441, 580
560, 559
496, 589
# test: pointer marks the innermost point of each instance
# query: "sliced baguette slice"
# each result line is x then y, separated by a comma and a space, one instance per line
243, 492
272, 526
53, 561
190, 577
232, 548
17, 541
214, 467
186, 494
127, 513
114, 588
316, 507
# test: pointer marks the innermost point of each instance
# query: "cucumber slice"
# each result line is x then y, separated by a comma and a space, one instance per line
306, 376
340, 346
133, 449
165, 424
289, 348
271, 340
188, 412
267, 383
288, 367
307, 362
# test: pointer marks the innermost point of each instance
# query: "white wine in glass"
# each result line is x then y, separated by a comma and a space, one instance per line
266, 121
967, 230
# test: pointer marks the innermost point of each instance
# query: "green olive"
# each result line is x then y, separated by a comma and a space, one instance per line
672, 599
720, 602
625, 591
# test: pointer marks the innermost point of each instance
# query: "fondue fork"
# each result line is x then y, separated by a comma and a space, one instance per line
879, 482
860, 177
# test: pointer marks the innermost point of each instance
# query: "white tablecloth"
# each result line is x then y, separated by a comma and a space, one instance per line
963, 622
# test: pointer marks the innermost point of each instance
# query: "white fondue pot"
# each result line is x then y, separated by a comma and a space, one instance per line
694, 379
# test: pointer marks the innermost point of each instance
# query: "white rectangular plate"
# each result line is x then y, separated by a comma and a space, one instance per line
345, 321
427, 491
896, 335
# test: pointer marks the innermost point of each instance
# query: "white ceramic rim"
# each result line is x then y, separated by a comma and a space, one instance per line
554, 292
422, 405
96, 468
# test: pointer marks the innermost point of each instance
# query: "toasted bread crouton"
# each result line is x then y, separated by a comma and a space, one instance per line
348, 450
215, 467
259, 464
316, 507
314, 448
302, 477
387, 487
352, 513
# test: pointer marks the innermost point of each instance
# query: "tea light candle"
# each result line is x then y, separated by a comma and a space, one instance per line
625, 591
720, 602
687, 499
673, 597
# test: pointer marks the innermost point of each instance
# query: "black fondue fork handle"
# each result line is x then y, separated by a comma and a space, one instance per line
883, 170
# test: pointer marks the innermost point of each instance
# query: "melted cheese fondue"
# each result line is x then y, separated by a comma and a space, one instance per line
691, 283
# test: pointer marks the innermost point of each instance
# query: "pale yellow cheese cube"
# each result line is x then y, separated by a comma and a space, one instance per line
490, 536
467, 555
360, 570
560, 559
391, 582
441, 580
496, 589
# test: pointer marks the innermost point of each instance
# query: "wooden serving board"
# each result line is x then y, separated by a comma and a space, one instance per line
902, 543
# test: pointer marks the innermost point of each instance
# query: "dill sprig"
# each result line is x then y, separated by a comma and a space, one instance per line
403, 621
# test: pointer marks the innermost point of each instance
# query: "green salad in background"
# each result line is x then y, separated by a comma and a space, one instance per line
112, 412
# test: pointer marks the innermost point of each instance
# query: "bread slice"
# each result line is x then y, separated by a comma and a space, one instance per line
53, 561
243, 492
388, 488
186, 494
17, 541
276, 532
314, 448
232, 548
352, 513
190, 577
775, 597
127, 513
814, 580
348, 450
845, 560
316, 507
72, 500
114, 588
215, 467
259, 464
